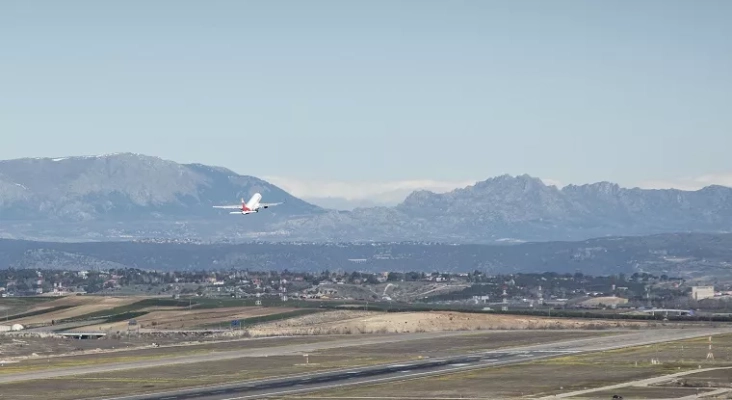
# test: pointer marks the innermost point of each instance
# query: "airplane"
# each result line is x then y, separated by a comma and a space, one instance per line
251, 206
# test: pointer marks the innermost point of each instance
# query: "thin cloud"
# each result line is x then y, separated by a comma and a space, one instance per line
723, 179
552, 182
393, 192
386, 191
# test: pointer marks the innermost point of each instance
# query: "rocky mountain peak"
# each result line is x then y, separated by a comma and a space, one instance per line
133, 195
136, 185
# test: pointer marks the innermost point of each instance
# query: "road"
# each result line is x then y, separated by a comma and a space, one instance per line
68, 325
642, 382
395, 372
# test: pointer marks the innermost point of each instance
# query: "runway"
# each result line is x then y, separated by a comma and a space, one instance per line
325, 380
171, 361
401, 371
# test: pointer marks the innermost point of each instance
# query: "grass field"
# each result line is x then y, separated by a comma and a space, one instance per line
704, 379
645, 393
71, 308
189, 375
179, 376
194, 313
151, 313
475, 342
138, 305
114, 355
264, 318
11, 307
182, 319
554, 376
197, 313
491, 331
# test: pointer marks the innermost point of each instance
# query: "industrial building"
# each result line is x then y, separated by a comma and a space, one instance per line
702, 292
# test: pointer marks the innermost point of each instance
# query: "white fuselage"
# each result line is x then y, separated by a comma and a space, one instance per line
251, 206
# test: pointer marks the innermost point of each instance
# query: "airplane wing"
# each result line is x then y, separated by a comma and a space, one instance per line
269, 204
237, 207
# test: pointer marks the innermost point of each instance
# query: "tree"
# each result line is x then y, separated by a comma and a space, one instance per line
412, 276
395, 277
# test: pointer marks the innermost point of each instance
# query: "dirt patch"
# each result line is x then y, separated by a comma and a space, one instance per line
352, 322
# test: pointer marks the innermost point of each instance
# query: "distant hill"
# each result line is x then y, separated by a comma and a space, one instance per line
340, 203
685, 255
524, 208
127, 186
128, 196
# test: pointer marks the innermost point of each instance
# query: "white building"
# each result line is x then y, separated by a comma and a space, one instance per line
480, 299
14, 327
702, 292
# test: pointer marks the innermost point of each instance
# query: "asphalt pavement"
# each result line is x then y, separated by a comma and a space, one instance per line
400, 371
172, 360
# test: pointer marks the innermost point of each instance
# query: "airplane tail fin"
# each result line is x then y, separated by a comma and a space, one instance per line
253, 202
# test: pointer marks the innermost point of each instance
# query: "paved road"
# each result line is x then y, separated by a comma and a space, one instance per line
68, 325
641, 382
395, 372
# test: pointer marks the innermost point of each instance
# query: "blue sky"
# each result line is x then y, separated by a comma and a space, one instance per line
346, 92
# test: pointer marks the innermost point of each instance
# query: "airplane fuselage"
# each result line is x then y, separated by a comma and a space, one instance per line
250, 207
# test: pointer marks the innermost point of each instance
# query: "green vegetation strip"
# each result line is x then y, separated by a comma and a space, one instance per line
19, 302
277, 317
207, 303
133, 310
268, 318
124, 316
115, 313
210, 303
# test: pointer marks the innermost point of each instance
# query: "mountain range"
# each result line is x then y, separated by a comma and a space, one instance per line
127, 196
